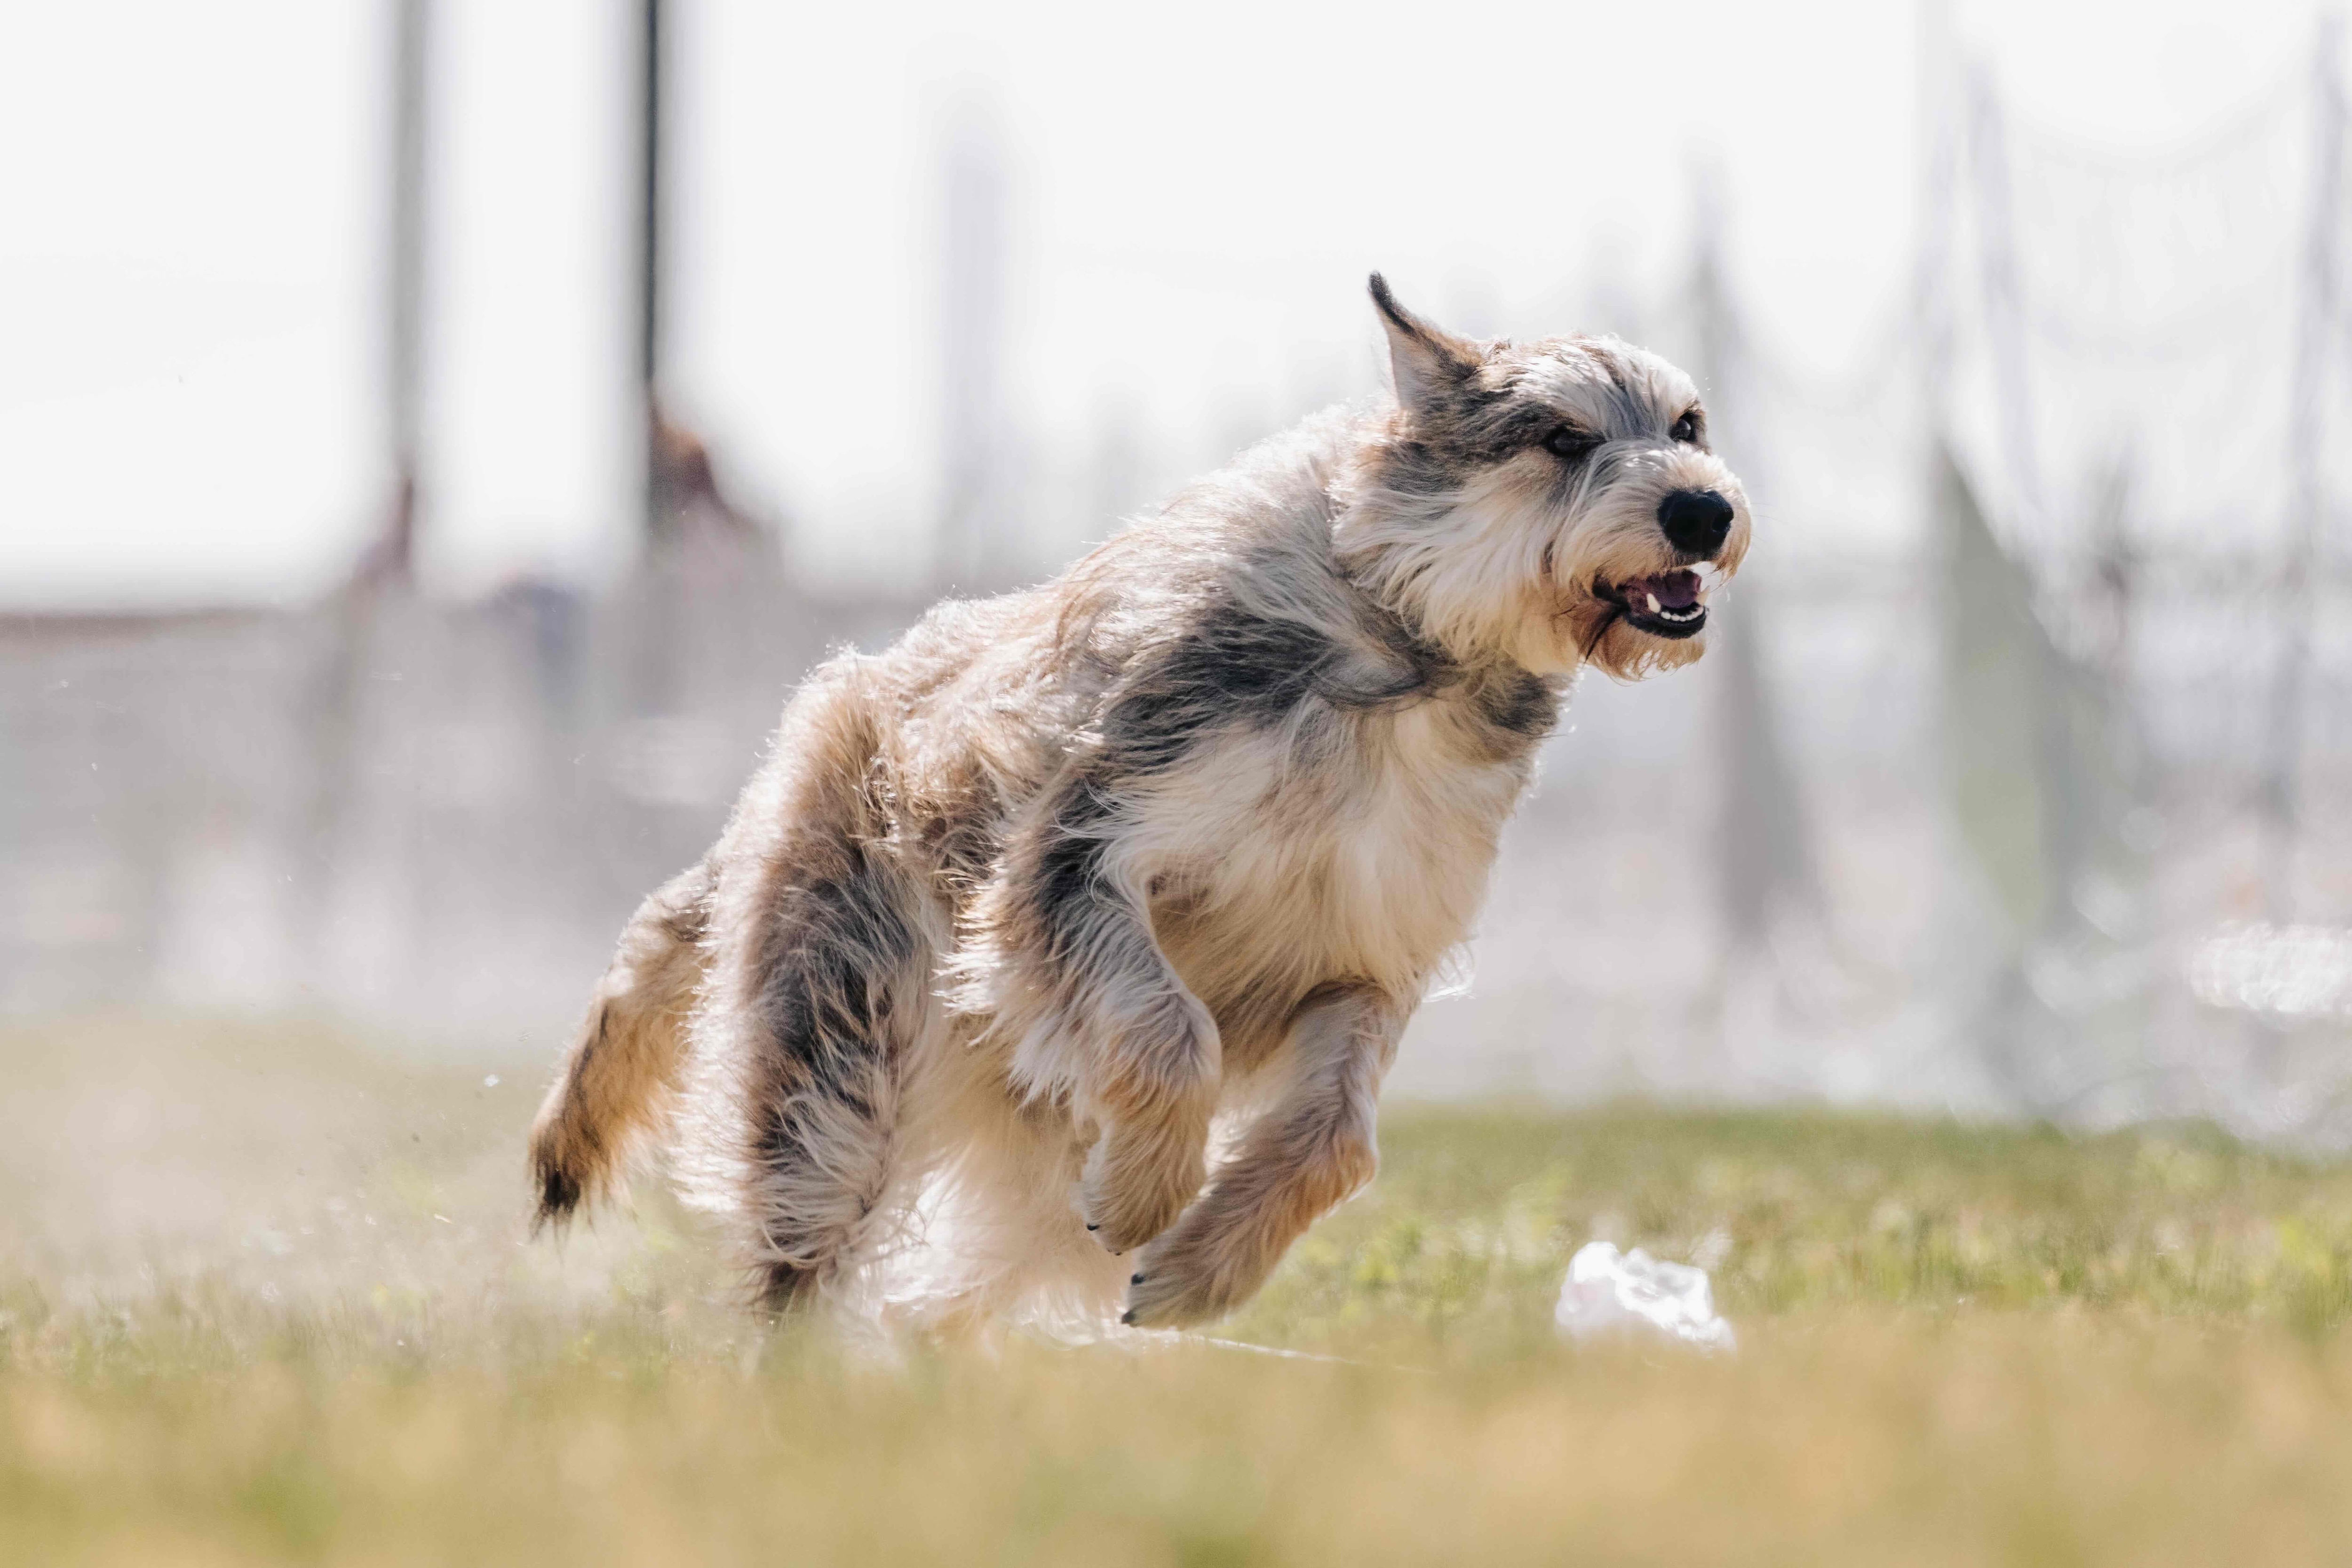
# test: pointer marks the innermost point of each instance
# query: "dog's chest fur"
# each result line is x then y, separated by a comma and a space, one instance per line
1338, 846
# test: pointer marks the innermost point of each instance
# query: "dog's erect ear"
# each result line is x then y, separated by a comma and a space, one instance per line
1424, 359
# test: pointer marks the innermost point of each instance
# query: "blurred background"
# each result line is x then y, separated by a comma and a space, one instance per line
437, 436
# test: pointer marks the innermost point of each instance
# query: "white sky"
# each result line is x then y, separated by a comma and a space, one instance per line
188, 341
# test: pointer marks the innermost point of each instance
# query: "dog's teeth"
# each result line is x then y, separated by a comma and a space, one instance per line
1653, 604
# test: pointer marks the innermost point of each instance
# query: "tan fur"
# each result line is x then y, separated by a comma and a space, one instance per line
1018, 911
621, 1073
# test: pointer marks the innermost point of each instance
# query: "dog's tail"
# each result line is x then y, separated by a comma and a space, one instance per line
620, 1077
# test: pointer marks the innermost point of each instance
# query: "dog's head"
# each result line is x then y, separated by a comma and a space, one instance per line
1552, 503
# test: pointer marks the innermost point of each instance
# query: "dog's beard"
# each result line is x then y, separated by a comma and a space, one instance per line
1615, 645
1597, 634
1627, 606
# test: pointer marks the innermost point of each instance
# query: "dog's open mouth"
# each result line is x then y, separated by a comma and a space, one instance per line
1669, 605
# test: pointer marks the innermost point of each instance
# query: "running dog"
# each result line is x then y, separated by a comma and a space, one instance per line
1015, 911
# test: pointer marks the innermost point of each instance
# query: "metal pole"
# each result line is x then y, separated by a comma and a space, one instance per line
651, 186
404, 301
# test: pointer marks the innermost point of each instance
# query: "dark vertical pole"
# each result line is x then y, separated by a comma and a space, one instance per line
651, 184
404, 301
337, 702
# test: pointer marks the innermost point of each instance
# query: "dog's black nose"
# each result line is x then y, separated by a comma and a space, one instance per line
1696, 522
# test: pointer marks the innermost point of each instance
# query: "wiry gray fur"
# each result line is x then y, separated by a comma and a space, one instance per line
1016, 909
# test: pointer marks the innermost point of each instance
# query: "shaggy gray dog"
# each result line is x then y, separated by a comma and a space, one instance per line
1015, 911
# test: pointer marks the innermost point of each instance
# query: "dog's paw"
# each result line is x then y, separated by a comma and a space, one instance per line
1120, 1233
1221, 1251
1137, 1181
1198, 1270
1192, 1275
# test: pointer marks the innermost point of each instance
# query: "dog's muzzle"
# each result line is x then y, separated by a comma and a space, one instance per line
1671, 604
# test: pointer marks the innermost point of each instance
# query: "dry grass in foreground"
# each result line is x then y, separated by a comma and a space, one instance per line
265, 1299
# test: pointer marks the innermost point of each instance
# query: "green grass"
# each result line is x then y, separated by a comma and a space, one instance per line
265, 1297
1475, 1214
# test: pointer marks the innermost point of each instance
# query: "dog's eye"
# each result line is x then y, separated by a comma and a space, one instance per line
1569, 442
1687, 428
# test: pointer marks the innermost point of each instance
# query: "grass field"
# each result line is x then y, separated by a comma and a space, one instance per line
264, 1297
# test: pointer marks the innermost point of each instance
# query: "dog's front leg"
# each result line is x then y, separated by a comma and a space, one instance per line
1313, 1147
1152, 1080
1060, 952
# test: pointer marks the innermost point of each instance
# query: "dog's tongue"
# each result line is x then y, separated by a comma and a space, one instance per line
1677, 590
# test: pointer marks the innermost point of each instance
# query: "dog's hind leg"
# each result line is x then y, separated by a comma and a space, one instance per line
620, 1075
820, 975
1311, 1148
840, 987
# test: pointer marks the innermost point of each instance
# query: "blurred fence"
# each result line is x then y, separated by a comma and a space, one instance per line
434, 817
2014, 784
428, 814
